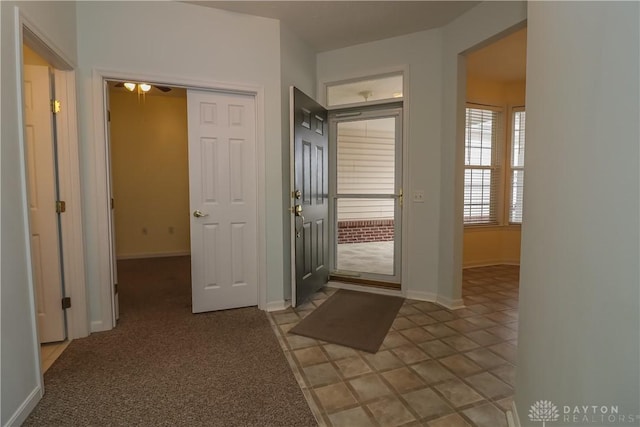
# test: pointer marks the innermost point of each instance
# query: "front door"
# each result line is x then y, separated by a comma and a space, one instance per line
43, 220
367, 194
223, 200
310, 195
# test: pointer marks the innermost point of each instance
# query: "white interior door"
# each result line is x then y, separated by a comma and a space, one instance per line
112, 226
43, 219
222, 191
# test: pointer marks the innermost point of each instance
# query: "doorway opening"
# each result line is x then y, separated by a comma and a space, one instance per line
201, 158
366, 191
494, 152
149, 169
52, 193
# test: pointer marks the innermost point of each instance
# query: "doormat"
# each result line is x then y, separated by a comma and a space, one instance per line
354, 319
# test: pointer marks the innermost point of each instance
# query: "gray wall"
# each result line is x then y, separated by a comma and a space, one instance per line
579, 326
297, 68
479, 26
203, 44
419, 55
21, 384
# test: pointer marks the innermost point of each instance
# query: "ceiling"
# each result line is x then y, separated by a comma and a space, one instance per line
327, 25
504, 60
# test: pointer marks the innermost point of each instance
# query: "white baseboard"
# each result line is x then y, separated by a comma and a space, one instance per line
451, 304
370, 289
420, 295
97, 326
512, 416
277, 305
26, 408
153, 255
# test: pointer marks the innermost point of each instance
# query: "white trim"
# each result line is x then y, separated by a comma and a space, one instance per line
292, 183
451, 304
19, 22
102, 176
420, 295
369, 289
25, 408
513, 420
277, 305
70, 191
47, 48
98, 326
143, 255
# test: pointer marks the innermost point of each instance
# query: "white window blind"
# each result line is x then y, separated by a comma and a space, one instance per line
482, 165
517, 166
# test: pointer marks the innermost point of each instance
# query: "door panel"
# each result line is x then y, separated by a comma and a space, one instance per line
311, 177
368, 193
43, 220
115, 302
222, 190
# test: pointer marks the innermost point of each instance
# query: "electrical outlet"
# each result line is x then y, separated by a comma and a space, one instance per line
418, 196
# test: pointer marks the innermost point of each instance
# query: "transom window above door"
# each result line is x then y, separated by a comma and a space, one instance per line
366, 90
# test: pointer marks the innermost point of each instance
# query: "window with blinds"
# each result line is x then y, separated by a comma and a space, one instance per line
517, 166
481, 165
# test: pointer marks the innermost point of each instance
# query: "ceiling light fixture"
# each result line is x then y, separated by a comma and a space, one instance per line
130, 86
365, 94
145, 87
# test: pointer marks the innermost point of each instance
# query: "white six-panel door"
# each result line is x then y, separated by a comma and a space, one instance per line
43, 220
222, 190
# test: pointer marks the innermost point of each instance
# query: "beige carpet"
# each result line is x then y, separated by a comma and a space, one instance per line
358, 320
163, 366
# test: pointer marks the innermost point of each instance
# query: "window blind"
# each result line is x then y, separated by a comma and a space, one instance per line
483, 130
517, 166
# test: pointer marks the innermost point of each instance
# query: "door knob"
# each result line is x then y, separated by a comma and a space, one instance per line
198, 214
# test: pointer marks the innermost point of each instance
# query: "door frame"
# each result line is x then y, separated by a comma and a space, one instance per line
103, 175
368, 112
71, 234
406, 182
68, 168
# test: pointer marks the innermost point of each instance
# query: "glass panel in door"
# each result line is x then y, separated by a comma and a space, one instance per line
367, 188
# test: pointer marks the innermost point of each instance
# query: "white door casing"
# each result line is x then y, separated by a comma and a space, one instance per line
43, 220
112, 217
223, 200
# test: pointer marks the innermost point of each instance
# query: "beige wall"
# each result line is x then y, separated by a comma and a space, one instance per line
29, 57
499, 244
150, 174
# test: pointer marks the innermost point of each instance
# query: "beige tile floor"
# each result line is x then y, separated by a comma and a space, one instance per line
436, 367
50, 352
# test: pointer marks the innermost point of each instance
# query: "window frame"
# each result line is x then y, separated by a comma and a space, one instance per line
497, 185
512, 168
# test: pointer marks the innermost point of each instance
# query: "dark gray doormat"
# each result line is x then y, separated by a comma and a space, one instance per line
354, 319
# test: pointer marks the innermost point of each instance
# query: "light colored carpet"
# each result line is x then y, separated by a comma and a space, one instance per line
163, 366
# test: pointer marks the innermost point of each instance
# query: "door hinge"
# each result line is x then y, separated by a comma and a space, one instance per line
55, 106
115, 288
66, 303
61, 206
108, 115
112, 203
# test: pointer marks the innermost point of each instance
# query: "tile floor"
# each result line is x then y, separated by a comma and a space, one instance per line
50, 352
436, 367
